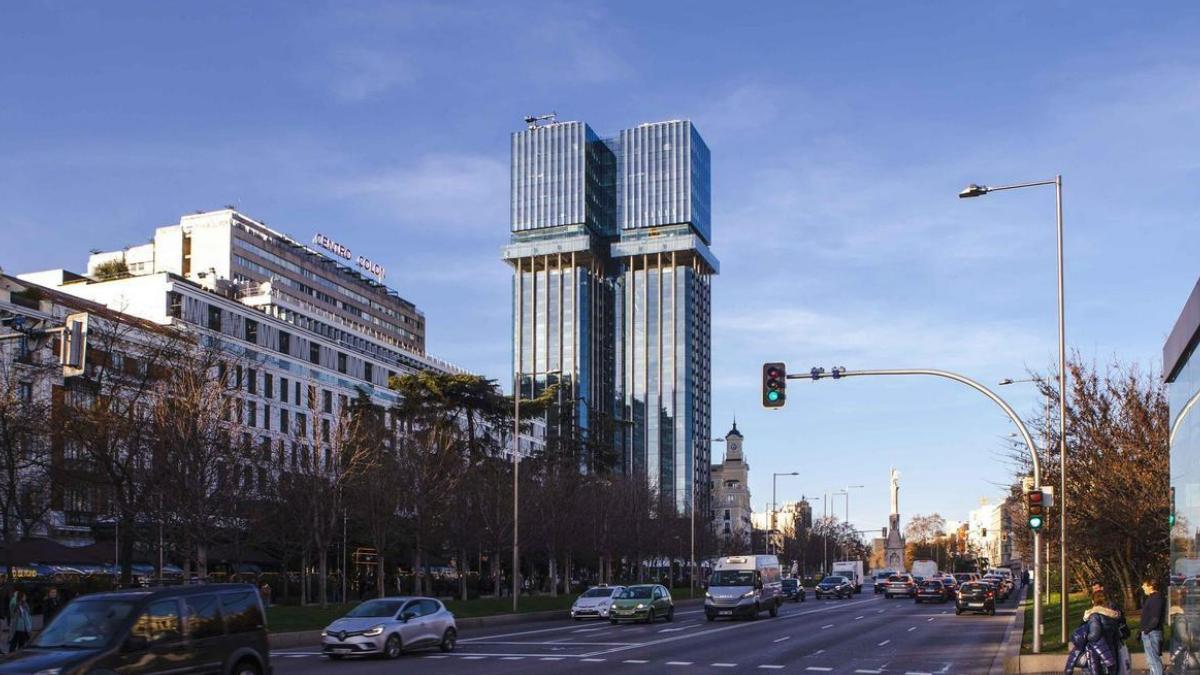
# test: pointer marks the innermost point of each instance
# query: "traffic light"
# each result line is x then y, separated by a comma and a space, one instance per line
774, 385
1037, 509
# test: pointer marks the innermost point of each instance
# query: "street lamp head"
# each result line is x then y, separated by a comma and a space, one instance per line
1007, 380
974, 190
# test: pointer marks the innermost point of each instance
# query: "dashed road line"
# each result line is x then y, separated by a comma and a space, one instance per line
592, 660
679, 663
768, 666
551, 658
827, 626
819, 669
817, 653
883, 643
635, 661
723, 665
784, 638
473, 658
917, 672
912, 629
857, 618
872, 672
511, 658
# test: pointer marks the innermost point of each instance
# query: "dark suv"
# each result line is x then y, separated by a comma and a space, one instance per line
793, 590
215, 628
976, 596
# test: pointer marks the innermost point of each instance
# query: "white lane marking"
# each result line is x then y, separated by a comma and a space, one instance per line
552, 658
511, 658
589, 630
296, 653
437, 656
556, 629
472, 658
593, 660
771, 667
635, 661
945, 668
917, 672
864, 670
912, 629
673, 630
556, 643
297, 656
827, 626
878, 612
857, 618
883, 643
679, 663
723, 665
820, 669
929, 619
817, 653
784, 638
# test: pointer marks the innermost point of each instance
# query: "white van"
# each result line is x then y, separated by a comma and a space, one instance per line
852, 570
924, 568
744, 585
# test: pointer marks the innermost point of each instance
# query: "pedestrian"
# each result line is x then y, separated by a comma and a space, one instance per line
22, 621
4, 616
52, 603
265, 590
1103, 632
1151, 626
1122, 624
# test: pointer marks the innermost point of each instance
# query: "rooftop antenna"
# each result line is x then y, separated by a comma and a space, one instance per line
535, 121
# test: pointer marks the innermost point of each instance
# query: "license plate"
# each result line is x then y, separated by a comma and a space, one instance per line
726, 612
341, 651
975, 604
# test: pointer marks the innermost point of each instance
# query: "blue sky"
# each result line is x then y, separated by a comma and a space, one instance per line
840, 134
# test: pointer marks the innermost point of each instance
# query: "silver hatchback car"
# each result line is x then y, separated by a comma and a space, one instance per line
388, 626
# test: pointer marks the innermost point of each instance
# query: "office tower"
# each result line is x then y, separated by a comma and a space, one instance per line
611, 292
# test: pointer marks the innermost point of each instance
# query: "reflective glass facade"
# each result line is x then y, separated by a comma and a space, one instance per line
611, 291
1183, 380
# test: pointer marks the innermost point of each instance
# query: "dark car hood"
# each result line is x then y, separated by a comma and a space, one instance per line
829, 586
33, 659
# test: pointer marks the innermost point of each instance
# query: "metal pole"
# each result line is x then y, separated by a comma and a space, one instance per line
774, 508
692, 532
825, 539
516, 558
344, 568
1062, 414
1012, 414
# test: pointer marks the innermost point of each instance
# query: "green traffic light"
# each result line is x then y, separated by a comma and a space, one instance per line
772, 396
1035, 522
1171, 520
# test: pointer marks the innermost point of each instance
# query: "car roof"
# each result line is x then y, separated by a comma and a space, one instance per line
138, 594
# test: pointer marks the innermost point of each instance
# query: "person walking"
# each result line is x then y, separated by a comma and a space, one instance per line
22, 622
52, 603
1151, 626
265, 591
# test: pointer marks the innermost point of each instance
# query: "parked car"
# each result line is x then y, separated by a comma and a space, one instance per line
595, 602
976, 596
835, 587
793, 590
900, 584
646, 603
196, 628
932, 590
388, 627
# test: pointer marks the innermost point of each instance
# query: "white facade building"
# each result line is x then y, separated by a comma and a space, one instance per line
989, 530
731, 512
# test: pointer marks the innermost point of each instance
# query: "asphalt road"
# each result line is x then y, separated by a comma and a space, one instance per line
866, 634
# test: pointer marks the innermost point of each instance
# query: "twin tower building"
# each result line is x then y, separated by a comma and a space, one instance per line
612, 277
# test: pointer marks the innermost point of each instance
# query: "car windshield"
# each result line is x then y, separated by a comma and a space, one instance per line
637, 593
790, 583
932, 584
897, 579
834, 580
732, 578
86, 624
974, 586
376, 609
598, 593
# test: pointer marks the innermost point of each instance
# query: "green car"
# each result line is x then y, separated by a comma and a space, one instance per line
642, 603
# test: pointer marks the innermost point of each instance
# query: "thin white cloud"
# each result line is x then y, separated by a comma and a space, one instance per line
359, 73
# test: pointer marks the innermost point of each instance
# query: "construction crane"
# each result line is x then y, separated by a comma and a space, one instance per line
535, 121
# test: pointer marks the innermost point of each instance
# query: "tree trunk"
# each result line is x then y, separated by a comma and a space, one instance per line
494, 564
380, 576
127, 552
552, 569
323, 571
304, 595
202, 561
418, 570
462, 574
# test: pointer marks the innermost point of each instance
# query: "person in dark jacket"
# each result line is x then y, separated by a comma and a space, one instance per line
1122, 624
50, 605
1102, 624
1152, 625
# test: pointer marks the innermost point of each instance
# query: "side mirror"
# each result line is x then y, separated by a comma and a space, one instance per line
408, 616
135, 643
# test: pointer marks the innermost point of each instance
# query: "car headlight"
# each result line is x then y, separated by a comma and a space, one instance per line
707, 595
748, 594
373, 631
49, 671
324, 633
640, 606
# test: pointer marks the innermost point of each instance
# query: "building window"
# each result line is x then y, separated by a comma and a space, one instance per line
252, 413
325, 429
264, 447
246, 444
267, 417
314, 353
283, 421
726, 514
341, 365
312, 396
283, 389
285, 342
252, 380
214, 318
343, 403
251, 331
368, 371
297, 393
238, 382
302, 424
25, 392
268, 385
327, 402
174, 305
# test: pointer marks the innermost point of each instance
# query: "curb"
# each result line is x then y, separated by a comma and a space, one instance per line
1010, 647
307, 638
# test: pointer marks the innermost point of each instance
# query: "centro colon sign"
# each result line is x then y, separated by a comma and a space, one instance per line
344, 252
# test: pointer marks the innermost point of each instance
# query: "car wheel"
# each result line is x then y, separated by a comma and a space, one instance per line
392, 648
334, 657
246, 667
774, 609
957, 611
449, 638
710, 617
650, 616
671, 614
992, 612
613, 621
757, 609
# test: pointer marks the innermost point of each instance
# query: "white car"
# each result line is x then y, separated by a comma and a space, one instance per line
388, 627
595, 603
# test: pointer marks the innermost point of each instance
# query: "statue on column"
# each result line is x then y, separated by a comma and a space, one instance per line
895, 491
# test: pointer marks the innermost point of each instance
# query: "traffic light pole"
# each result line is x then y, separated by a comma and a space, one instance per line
838, 373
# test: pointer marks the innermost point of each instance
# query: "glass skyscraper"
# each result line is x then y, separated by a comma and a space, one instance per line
611, 291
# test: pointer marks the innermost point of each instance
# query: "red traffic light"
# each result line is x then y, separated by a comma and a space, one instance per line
1035, 497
